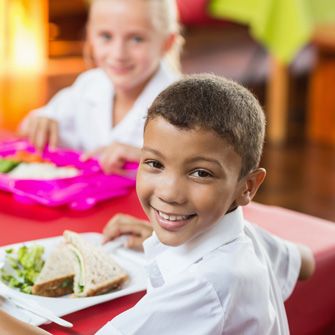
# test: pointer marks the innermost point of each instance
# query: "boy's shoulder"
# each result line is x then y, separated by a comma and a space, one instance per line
234, 266
236, 277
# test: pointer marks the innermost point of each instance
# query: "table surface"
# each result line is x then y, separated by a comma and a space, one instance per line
21, 222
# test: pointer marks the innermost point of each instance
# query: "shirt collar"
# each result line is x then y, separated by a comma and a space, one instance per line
163, 76
99, 90
173, 260
105, 89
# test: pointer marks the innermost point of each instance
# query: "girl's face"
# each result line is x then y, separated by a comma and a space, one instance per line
125, 41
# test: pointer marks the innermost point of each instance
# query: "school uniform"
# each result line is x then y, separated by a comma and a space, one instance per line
225, 281
84, 110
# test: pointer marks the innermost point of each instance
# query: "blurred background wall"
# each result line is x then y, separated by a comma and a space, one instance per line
41, 46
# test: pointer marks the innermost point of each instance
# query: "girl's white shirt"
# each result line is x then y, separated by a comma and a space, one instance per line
84, 110
232, 280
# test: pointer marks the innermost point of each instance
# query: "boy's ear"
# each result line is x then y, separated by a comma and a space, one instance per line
250, 185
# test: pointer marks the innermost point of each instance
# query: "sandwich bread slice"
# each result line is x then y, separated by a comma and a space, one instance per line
96, 272
56, 277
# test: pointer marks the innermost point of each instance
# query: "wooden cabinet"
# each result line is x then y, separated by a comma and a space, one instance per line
321, 114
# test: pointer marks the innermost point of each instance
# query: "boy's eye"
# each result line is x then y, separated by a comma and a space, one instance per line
200, 173
153, 164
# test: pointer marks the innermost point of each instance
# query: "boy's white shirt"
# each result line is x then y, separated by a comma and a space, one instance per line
230, 280
84, 110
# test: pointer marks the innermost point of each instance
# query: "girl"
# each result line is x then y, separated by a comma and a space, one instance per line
103, 112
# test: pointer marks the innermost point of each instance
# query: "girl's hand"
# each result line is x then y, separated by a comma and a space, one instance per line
122, 224
41, 131
113, 157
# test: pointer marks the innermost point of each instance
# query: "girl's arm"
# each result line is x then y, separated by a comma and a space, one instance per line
40, 131
54, 123
113, 157
10, 325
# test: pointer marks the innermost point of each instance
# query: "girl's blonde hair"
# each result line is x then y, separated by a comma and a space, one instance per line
166, 19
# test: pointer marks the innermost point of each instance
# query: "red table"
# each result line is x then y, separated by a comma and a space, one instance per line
311, 308
21, 222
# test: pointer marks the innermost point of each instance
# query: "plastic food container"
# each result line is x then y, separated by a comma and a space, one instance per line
80, 192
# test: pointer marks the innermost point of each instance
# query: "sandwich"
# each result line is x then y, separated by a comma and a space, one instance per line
56, 277
96, 272
78, 267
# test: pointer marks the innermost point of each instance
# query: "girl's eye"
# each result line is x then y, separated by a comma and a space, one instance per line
201, 173
153, 164
105, 36
137, 39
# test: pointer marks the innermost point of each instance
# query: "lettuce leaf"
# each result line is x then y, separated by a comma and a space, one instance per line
21, 267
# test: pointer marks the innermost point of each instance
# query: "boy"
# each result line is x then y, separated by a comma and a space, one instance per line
209, 272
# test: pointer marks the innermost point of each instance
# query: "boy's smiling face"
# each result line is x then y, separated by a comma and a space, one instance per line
187, 180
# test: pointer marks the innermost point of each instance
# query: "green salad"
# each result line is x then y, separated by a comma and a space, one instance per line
7, 165
22, 266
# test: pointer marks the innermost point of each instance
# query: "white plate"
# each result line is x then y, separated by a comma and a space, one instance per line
131, 261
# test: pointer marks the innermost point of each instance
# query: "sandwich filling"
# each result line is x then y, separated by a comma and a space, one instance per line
79, 284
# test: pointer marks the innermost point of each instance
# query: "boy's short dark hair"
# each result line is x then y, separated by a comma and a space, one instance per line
210, 102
